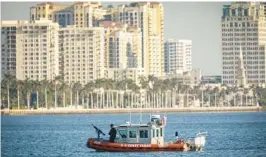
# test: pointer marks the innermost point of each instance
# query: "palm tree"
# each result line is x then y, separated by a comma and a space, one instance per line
55, 81
215, 90
3, 94
36, 86
89, 90
99, 84
110, 6
246, 92
83, 94
151, 78
19, 85
28, 87
143, 82
108, 87
70, 93
8, 81
63, 88
46, 85
77, 87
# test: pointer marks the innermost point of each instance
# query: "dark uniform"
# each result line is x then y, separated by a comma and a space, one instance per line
112, 133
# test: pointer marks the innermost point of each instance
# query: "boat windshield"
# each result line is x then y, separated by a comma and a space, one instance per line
123, 133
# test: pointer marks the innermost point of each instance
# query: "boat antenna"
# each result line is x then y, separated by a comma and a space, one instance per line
130, 117
140, 109
165, 113
141, 115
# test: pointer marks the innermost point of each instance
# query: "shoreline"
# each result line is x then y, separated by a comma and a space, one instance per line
132, 110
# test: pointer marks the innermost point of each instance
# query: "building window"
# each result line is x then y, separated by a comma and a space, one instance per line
233, 12
239, 11
245, 12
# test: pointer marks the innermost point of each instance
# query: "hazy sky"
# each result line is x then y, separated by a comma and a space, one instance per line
196, 21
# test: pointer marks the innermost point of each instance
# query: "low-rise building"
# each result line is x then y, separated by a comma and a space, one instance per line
192, 77
211, 79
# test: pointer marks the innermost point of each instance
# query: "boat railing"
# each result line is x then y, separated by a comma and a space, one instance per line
202, 134
190, 138
199, 134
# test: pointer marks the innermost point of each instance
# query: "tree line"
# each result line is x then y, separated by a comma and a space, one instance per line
107, 93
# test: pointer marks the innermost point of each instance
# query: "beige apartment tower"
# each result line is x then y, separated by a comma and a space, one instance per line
123, 51
80, 14
81, 54
148, 16
8, 47
243, 29
35, 47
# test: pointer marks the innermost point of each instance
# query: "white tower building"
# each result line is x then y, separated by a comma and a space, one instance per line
241, 73
178, 56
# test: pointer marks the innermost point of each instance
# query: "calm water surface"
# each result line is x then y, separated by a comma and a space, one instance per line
229, 134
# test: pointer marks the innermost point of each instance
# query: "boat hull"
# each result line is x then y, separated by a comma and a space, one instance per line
99, 145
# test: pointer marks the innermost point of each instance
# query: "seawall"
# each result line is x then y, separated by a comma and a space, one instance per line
132, 110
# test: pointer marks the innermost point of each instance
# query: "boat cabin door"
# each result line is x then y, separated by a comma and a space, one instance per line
157, 136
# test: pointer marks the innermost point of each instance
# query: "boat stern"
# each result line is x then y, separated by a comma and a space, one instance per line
197, 143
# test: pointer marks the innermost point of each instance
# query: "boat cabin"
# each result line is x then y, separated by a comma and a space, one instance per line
150, 133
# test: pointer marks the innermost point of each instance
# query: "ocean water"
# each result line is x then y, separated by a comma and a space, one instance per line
229, 134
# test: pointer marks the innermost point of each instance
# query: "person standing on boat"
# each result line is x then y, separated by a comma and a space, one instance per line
112, 133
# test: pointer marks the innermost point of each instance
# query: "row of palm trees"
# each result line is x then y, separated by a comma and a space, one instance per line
106, 93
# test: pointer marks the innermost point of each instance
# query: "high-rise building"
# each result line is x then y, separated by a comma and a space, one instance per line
46, 10
123, 50
82, 54
243, 25
148, 16
136, 44
30, 49
8, 47
80, 14
178, 56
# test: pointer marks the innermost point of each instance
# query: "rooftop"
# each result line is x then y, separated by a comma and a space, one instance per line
46, 3
133, 125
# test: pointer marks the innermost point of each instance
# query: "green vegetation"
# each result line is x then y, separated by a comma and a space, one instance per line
110, 6
101, 93
261, 93
134, 4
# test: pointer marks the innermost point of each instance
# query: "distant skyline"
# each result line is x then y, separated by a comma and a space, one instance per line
196, 21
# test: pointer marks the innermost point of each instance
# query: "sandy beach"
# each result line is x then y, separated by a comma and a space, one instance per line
132, 110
